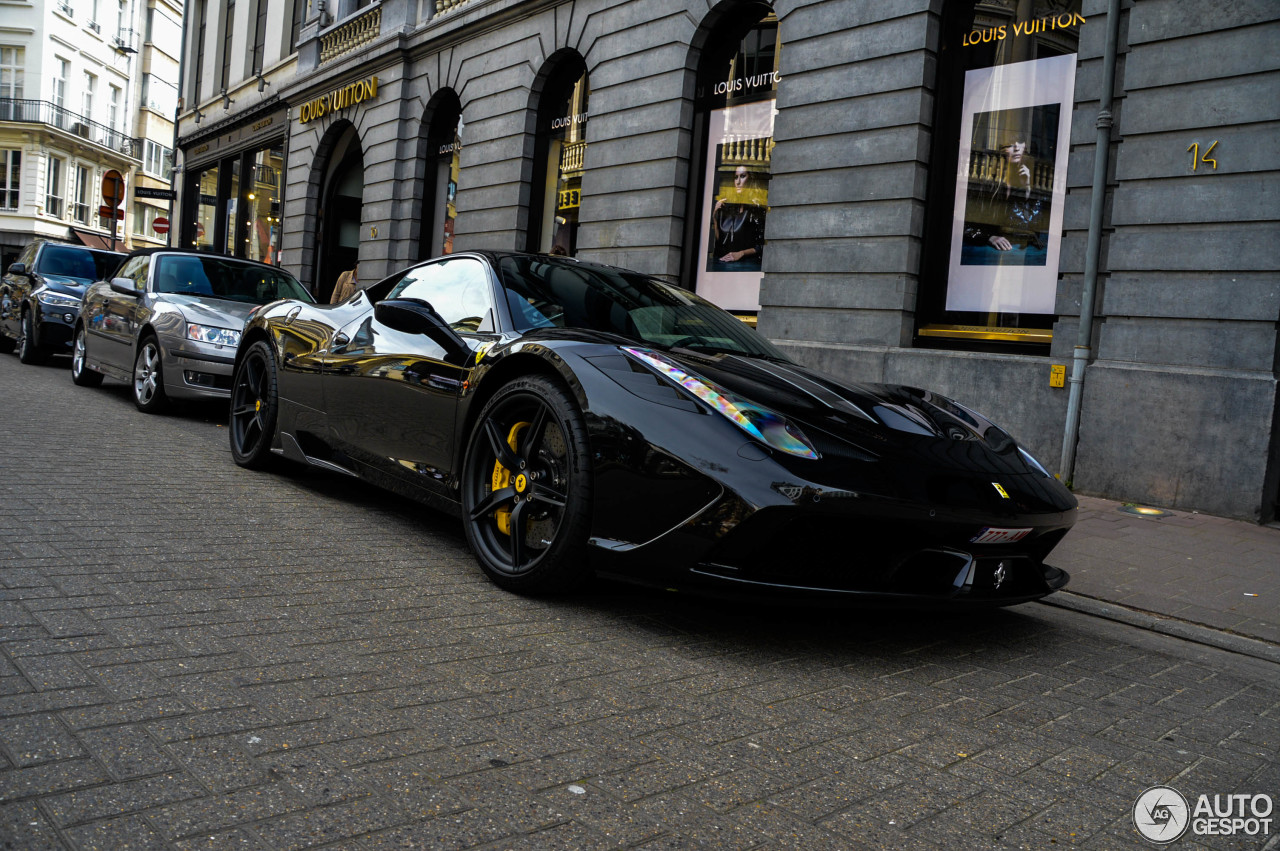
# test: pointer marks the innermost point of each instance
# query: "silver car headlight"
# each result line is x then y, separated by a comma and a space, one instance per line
58, 300
210, 334
766, 426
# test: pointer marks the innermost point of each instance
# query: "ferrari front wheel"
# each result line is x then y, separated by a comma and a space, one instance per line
254, 406
526, 488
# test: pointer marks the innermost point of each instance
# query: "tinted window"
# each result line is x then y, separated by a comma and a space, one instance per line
542, 292
82, 263
457, 289
226, 279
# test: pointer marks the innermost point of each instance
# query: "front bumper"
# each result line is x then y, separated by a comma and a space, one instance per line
197, 370
53, 330
848, 548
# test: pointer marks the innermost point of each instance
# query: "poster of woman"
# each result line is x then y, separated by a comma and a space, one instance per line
1010, 198
1010, 187
732, 233
737, 225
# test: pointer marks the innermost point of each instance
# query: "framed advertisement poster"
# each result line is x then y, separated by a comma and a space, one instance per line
729, 199
736, 184
1006, 231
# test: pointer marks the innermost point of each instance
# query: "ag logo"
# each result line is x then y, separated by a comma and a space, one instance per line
1161, 814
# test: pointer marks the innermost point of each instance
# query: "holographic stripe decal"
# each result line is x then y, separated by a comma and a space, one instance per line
761, 423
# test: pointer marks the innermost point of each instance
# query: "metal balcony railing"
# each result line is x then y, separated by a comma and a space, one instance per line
346, 37
45, 112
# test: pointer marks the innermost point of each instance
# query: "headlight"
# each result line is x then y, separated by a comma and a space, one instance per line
58, 300
209, 334
759, 422
1033, 463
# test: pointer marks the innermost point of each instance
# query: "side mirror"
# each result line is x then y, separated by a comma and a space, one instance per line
415, 316
18, 269
124, 286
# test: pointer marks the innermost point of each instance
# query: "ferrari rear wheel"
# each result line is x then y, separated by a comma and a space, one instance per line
148, 377
526, 488
254, 407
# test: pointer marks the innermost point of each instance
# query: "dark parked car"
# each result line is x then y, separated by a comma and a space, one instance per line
40, 296
585, 418
168, 322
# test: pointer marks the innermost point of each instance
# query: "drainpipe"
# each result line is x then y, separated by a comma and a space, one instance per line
174, 173
1101, 160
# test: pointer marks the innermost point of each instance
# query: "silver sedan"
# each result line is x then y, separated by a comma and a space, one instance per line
169, 323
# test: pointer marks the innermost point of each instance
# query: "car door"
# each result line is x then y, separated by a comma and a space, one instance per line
392, 396
112, 319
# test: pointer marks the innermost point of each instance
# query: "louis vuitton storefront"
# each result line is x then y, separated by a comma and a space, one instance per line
939, 197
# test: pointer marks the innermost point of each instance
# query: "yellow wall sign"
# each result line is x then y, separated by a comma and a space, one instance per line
1057, 375
337, 99
569, 198
1021, 28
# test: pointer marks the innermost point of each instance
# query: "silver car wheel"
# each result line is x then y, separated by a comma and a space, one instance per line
145, 373
77, 354
80, 372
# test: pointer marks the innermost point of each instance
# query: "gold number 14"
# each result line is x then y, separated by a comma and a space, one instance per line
1197, 157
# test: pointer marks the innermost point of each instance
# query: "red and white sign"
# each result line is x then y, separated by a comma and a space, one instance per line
160, 225
992, 535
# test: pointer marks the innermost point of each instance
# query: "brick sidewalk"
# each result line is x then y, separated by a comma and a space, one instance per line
1218, 573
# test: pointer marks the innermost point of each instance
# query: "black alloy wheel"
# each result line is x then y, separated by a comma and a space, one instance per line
148, 377
80, 372
526, 488
29, 350
254, 406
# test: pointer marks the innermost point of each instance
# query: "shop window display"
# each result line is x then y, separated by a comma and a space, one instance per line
997, 189
560, 154
737, 88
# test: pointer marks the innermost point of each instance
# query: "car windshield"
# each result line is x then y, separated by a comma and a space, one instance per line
544, 292
222, 277
71, 261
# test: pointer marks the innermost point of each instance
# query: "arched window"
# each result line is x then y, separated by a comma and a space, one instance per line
560, 147
997, 173
737, 85
440, 186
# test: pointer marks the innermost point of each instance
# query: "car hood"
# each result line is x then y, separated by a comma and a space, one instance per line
940, 450
66, 285
204, 310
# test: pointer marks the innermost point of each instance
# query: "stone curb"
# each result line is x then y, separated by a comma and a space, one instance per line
1166, 625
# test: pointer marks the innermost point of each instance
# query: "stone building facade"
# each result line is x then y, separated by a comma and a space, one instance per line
877, 156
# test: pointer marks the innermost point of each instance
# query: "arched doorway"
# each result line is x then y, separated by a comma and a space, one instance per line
736, 57
440, 178
338, 229
559, 152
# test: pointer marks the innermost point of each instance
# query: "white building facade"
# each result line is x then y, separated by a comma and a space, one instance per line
86, 87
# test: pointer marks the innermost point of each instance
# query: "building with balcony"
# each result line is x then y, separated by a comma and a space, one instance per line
70, 111
1060, 212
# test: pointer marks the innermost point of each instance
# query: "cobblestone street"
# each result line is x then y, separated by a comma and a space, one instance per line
195, 656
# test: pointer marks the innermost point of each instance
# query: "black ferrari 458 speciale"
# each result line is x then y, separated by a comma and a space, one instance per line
584, 419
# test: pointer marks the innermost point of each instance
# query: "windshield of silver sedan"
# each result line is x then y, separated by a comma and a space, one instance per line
552, 292
225, 278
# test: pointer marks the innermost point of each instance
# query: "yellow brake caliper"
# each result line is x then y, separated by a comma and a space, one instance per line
502, 478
